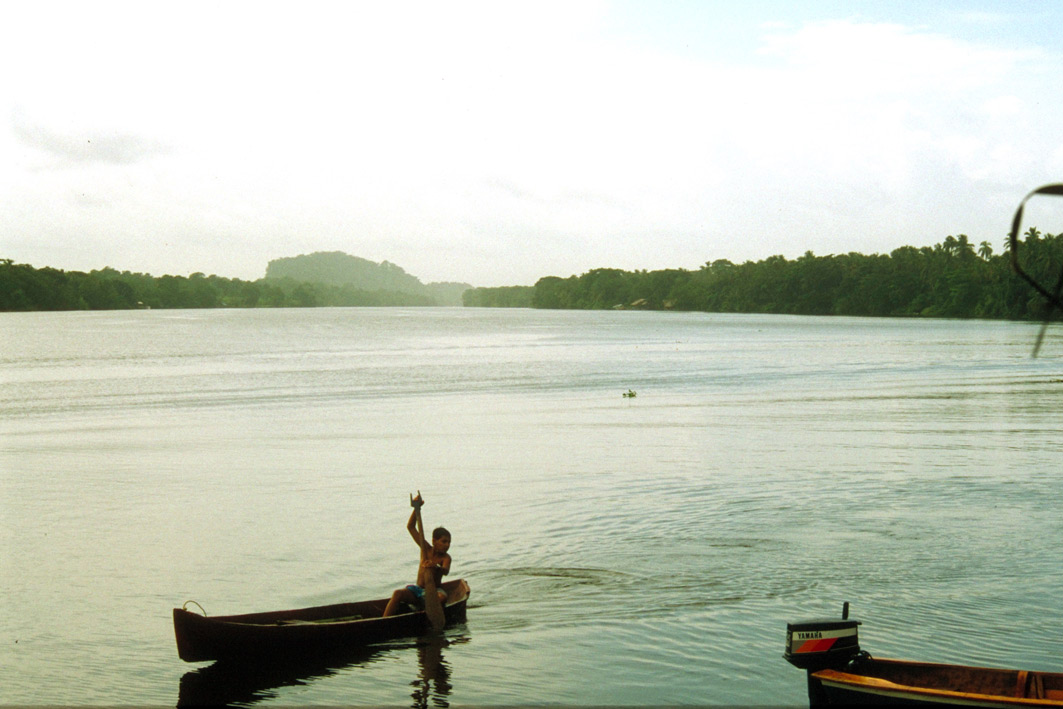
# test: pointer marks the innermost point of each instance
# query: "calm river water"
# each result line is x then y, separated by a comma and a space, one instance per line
645, 550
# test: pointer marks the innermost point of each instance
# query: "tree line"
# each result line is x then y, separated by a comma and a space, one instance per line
953, 279
23, 287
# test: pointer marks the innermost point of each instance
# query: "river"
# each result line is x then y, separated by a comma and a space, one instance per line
620, 550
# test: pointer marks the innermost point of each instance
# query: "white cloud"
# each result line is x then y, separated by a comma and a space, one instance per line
496, 142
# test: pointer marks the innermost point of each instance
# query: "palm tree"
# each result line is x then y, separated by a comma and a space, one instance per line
964, 247
950, 244
985, 250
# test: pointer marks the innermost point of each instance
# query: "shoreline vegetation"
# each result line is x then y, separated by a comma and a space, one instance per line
953, 279
323, 279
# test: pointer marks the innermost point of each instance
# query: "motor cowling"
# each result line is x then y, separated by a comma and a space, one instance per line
820, 644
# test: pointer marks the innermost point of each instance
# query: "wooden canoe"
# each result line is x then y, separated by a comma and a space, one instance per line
322, 629
880, 681
839, 673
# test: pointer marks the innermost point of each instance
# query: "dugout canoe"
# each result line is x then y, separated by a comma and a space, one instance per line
317, 630
899, 682
839, 673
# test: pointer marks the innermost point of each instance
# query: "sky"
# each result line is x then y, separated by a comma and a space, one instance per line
494, 143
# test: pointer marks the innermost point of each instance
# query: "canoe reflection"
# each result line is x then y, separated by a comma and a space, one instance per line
243, 684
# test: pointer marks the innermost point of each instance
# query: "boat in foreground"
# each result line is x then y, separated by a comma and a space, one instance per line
839, 673
322, 629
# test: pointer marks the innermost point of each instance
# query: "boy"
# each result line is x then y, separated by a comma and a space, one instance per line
436, 562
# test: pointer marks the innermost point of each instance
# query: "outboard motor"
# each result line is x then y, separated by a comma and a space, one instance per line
815, 645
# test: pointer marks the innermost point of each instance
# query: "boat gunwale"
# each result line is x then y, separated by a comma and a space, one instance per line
296, 622
273, 619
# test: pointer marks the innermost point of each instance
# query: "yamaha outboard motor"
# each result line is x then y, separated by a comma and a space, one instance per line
815, 645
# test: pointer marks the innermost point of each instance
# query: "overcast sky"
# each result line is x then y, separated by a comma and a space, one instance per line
499, 142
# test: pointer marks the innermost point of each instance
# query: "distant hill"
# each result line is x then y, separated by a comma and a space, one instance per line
339, 269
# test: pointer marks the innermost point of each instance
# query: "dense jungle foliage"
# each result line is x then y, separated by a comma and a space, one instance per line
24, 287
502, 297
954, 279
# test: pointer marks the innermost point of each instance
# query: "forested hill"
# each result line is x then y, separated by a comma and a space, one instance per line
23, 287
954, 279
336, 268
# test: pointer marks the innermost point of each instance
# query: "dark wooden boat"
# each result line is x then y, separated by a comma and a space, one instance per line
319, 630
839, 673
881, 681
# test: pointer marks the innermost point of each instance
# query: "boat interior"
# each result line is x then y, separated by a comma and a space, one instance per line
457, 591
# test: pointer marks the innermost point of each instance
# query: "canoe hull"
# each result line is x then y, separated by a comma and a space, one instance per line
322, 629
885, 682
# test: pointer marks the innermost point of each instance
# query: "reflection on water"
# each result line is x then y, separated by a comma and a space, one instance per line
432, 686
245, 684
242, 684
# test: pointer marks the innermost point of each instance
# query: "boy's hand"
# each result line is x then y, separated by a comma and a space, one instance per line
416, 502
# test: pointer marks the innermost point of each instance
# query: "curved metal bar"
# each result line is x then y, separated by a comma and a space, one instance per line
1053, 296
1016, 226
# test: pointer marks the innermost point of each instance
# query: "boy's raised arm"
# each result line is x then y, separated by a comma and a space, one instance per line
411, 526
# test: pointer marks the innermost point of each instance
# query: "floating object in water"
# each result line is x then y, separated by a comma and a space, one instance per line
629, 394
